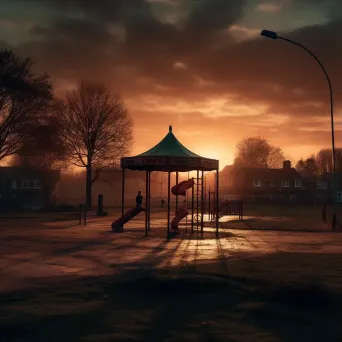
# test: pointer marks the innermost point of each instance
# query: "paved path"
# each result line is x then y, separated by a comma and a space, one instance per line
36, 253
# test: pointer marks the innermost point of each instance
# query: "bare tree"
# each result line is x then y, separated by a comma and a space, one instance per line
257, 152
24, 98
96, 130
325, 163
308, 167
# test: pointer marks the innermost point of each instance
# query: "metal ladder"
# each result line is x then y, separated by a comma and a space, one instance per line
197, 201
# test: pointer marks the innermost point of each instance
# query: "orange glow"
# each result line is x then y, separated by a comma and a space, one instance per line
225, 157
210, 153
195, 73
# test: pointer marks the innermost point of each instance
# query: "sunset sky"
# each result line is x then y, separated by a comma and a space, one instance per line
199, 65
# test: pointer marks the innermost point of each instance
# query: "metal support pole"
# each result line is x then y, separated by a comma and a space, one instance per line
149, 202
168, 203
202, 202
146, 204
217, 203
123, 195
214, 202
176, 195
85, 215
241, 210
197, 195
205, 193
187, 195
80, 211
192, 208
209, 208
274, 35
333, 151
187, 199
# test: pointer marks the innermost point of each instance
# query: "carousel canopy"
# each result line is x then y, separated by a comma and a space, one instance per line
169, 156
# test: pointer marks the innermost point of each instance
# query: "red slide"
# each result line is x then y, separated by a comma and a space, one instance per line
180, 188
118, 224
180, 214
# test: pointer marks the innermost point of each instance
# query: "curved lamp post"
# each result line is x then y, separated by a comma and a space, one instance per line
274, 35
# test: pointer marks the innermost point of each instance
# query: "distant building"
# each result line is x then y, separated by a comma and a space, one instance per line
261, 184
23, 188
320, 188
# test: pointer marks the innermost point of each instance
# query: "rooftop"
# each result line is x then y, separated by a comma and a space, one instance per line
169, 155
170, 146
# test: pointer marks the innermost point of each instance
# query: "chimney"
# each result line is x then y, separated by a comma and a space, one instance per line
287, 164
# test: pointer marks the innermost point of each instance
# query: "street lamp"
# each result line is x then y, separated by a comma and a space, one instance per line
274, 35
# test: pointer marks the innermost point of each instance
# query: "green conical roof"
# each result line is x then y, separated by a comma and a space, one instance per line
169, 147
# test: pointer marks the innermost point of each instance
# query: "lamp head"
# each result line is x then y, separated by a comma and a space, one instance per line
269, 34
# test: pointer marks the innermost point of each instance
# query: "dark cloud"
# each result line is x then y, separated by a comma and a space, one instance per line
209, 15
150, 47
331, 8
125, 44
4, 45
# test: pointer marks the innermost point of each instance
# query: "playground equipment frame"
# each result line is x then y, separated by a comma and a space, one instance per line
163, 158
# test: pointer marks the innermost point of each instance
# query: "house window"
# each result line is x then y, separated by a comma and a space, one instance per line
31, 184
322, 185
298, 183
257, 183
286, 183
272, 184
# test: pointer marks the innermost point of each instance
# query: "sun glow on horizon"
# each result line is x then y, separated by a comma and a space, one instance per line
212, 154
224, 157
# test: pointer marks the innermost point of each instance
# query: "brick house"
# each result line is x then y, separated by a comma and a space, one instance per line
259, 184
23, 188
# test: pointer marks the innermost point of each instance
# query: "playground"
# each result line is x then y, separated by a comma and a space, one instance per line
191, 205
170, 156
202, 271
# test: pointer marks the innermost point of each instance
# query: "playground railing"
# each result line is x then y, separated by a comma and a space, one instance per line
228, 208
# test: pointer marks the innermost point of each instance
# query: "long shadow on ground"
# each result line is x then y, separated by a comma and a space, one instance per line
256, 299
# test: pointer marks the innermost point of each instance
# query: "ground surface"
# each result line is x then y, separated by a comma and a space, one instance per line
64, 282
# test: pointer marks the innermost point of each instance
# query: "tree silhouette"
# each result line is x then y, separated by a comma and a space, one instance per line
324, 160
257, 152
307, 168
24, 99
96, 130
44, 149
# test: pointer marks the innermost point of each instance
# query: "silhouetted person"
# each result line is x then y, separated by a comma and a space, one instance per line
162, 202
139, 199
